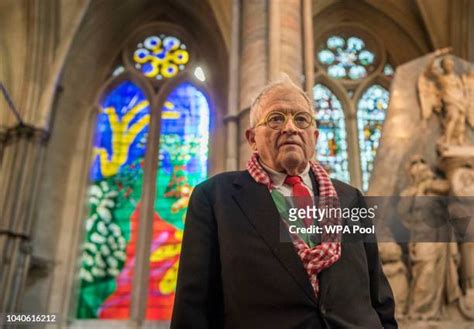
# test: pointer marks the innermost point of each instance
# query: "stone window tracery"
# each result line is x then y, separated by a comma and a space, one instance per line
351, 96
154, 79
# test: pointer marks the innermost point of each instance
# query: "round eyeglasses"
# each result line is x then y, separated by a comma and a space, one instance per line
278, 120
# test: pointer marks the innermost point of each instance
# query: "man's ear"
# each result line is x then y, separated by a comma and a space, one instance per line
250, 136
316, 136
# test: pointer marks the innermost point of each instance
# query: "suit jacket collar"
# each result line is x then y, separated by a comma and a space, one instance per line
257, 204
346, 200
324, 280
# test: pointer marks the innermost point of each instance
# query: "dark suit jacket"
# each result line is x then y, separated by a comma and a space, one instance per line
235, 273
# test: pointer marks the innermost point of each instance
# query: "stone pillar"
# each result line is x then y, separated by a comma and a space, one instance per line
231, 119
308, 47
23, 148
271, 43
460, 18
35, 26
471, 33
290, 40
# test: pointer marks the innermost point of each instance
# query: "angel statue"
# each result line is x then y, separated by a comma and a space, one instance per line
444, 91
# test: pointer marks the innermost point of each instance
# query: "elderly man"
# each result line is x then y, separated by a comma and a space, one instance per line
236, 271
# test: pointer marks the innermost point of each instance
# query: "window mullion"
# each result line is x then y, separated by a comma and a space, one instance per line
145, 226
353, 145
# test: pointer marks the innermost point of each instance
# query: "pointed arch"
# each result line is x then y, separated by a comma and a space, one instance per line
102, 48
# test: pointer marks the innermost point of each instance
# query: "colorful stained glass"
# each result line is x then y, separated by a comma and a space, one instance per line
332, 143
116, 185
118, 70
346, 57
388, 70
371, 110
161, 56
182, 165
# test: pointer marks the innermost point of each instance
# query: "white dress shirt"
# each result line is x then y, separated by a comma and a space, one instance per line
278, 179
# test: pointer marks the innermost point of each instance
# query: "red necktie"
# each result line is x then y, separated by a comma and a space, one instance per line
301, 195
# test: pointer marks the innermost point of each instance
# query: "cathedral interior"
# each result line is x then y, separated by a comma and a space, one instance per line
112, 111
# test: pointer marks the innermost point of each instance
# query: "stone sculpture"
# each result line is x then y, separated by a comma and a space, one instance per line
444, 91
434, 275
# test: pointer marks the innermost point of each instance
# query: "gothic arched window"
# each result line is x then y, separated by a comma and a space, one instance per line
351, 97
150, 149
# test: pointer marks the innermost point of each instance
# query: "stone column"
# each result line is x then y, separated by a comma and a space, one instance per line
308, 47
231, 119
271, 42
23, 148
35, 25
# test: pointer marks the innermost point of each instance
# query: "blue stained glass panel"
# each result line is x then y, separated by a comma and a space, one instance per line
325, 56
346, 58
332, 143
335, 42
357, 72
185, 125
355, 44
121, 130
371, 110
388, 70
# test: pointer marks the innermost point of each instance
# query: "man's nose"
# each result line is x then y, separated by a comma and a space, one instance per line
290, 126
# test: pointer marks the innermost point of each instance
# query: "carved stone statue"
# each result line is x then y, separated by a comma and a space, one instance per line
440, 274
397, 275
433, 264
460, 172
444, 91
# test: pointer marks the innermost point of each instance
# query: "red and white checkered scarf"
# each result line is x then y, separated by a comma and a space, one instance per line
328, 251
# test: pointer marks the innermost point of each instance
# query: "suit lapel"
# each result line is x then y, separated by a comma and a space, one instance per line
322, 277
257, 204
325, 276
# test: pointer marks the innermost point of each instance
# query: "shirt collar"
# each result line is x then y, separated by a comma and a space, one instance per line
278, 178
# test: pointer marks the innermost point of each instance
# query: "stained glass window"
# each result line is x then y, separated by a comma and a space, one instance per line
108, 253
161, 56
182, 165
118, 70
355, 65
388, 70
115, 191
332, 144
371, 110
346, 57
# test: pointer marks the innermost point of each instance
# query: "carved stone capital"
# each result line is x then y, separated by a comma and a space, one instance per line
24, 131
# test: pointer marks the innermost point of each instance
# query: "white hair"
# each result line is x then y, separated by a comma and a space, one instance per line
283, 81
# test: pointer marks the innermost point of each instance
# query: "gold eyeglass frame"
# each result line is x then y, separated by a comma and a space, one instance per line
286, 116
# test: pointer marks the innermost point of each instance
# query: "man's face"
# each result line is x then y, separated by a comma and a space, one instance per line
289, 149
